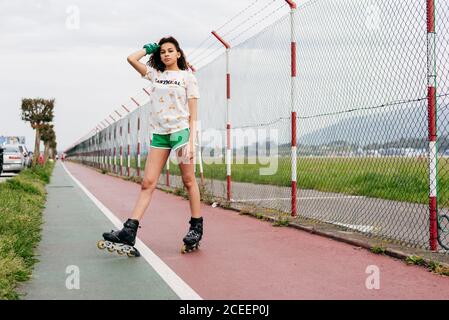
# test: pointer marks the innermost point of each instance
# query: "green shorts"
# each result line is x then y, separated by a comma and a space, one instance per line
172, 140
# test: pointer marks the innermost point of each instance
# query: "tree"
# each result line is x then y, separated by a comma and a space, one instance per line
37, 112
53, 146
48, 135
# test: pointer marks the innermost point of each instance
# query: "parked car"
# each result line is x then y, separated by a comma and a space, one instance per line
13, 159
1, 160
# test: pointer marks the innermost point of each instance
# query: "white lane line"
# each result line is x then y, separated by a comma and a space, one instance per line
358, 227
182, 289
264, 199
336, 198
298, 198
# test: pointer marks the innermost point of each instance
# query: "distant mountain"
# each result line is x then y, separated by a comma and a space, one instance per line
381, 128
399, 128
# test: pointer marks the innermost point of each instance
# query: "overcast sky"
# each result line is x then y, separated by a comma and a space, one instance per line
75, 51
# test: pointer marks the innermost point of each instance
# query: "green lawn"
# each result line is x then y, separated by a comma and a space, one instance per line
401, 179
22, 201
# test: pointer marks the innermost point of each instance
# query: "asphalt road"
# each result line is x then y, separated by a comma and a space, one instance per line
240, 257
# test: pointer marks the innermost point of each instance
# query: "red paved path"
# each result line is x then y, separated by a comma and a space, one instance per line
245, 258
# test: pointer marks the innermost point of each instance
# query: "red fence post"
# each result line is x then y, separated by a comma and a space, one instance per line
293, 110
228, 122
121, 152
167, 172
138, 146
129, 148
432, 117
138, 141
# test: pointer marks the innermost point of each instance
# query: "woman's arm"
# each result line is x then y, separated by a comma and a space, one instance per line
193, 109
134, 58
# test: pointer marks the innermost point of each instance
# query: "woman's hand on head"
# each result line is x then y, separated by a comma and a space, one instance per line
134, 58
151, 48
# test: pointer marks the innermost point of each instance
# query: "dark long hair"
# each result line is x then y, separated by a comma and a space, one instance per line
155, 59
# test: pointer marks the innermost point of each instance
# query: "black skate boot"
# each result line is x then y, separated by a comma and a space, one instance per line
123, 240
193, 237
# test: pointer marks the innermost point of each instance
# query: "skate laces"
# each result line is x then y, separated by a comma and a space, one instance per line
195, 229
193, 232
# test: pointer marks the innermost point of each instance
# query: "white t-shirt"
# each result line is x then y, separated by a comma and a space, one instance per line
169, 110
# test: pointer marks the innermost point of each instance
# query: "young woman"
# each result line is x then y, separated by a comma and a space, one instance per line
173, 115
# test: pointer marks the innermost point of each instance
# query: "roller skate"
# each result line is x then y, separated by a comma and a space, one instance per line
193, 237
121, 241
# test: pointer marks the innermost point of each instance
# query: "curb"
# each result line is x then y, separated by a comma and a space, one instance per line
394, 253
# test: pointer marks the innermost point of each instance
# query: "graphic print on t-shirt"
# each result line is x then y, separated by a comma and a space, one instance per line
169, 110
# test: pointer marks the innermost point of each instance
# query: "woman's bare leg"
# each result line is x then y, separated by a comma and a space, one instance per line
153, 167
188, 178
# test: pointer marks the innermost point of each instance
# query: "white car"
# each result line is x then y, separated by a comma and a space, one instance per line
13, 159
